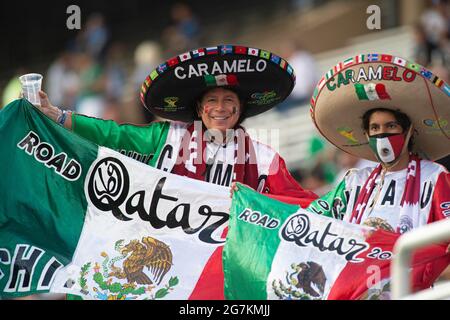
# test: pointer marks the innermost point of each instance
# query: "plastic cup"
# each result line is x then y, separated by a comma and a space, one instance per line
31, 85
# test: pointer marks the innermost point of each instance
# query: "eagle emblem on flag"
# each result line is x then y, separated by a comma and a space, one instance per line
306, 282
128, 282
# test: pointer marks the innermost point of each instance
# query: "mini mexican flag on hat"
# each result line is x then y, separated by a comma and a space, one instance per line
370, 81
261, 78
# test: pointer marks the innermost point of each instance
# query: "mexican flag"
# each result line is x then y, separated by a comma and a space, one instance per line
221, 80
82, 219
279, 251
371, 91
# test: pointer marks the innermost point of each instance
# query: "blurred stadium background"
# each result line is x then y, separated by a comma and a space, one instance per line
98, 70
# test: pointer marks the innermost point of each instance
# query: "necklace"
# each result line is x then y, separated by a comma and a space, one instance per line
211, 139
377, 193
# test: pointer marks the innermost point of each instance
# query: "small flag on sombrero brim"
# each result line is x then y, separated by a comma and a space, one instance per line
162, 67
185, 56
372, 57
264, 54
212, 50
413, 66
173, 62
154, 75
399, 61
348, 62
360, 58
438, 82
253, 52
447, 89
226, 49
198, 53
240, 50
276, 59
386, 58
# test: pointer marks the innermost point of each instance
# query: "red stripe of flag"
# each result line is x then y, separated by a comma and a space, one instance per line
211, 281
381, 91
232, 80
396, 143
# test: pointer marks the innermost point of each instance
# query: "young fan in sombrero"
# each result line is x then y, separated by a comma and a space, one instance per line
386, 109
219, 87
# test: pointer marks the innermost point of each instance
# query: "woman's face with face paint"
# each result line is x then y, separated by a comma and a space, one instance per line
220, 109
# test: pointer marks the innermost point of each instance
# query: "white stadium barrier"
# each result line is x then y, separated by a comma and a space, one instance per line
432, 233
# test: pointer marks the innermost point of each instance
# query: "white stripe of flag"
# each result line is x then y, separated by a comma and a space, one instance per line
371, 92
221, 80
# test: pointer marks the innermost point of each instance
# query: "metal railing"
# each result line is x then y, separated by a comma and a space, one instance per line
400, 268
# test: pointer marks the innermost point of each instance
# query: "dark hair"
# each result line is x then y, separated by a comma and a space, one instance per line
242, 101
402, 119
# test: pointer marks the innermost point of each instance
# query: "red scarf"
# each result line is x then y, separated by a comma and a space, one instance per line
410, 199
191, 162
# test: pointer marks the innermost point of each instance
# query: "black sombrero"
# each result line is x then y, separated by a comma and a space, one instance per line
262, 79
370, 81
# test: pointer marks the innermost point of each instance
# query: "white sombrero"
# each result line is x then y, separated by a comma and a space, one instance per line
364, 82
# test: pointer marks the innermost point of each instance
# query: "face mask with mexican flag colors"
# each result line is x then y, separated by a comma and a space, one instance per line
387, 146
81, 219
280, 251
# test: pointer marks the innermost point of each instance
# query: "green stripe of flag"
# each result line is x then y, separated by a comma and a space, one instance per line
28, 215
210, 80
361, 91
248, 278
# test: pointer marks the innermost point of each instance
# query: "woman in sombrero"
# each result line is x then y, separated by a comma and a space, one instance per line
386, 109
219, 87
